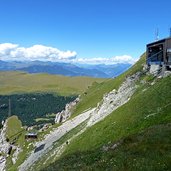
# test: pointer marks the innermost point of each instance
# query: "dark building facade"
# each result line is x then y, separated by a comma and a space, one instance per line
31, 136
159, 52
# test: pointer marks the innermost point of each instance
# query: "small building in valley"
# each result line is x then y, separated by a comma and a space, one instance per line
31, 136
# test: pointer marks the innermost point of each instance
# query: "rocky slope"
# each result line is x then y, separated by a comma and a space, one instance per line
114, 99
66, 113
42, 147
7, 148
110, 102
4, 147
133, 137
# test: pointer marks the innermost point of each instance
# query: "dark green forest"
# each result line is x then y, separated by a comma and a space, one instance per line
28, 107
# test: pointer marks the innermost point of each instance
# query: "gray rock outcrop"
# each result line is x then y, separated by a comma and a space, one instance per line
114, 99
65, 114
15, 154
4, 148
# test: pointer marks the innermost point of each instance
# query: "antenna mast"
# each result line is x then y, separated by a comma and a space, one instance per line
157, 34
9, 109
170, 31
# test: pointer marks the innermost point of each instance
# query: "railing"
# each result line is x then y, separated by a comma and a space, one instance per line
154, 56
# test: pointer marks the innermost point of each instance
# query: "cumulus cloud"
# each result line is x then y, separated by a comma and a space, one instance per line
107, 61
14, 52
6, 48
10, 51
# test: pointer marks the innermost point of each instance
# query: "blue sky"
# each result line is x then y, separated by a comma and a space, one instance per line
91, 28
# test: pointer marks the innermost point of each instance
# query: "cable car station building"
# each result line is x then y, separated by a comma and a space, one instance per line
159, 53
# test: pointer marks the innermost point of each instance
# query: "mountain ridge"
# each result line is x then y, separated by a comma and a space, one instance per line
66, 69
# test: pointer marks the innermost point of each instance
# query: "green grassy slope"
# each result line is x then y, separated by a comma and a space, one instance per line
140, 128
16, 136
95, 93
19, 82
14, 126
146, 151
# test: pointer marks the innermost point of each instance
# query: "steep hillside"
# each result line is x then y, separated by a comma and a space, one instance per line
19, 82
95, 93
136, 136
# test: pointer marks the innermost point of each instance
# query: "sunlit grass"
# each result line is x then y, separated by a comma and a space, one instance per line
20, 82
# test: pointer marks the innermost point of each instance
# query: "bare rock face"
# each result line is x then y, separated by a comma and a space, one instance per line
145, 68
4, 148
160, 71
110, 102
15, 154
166, 74
114, 99
155, 69
65, 114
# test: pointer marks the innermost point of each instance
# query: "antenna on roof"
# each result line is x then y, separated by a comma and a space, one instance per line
157, 34
170, 31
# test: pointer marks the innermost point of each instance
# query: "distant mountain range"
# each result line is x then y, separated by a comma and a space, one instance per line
67, 69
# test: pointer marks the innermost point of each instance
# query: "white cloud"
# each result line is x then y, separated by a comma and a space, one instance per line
6, 48
9, 51
113, 60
